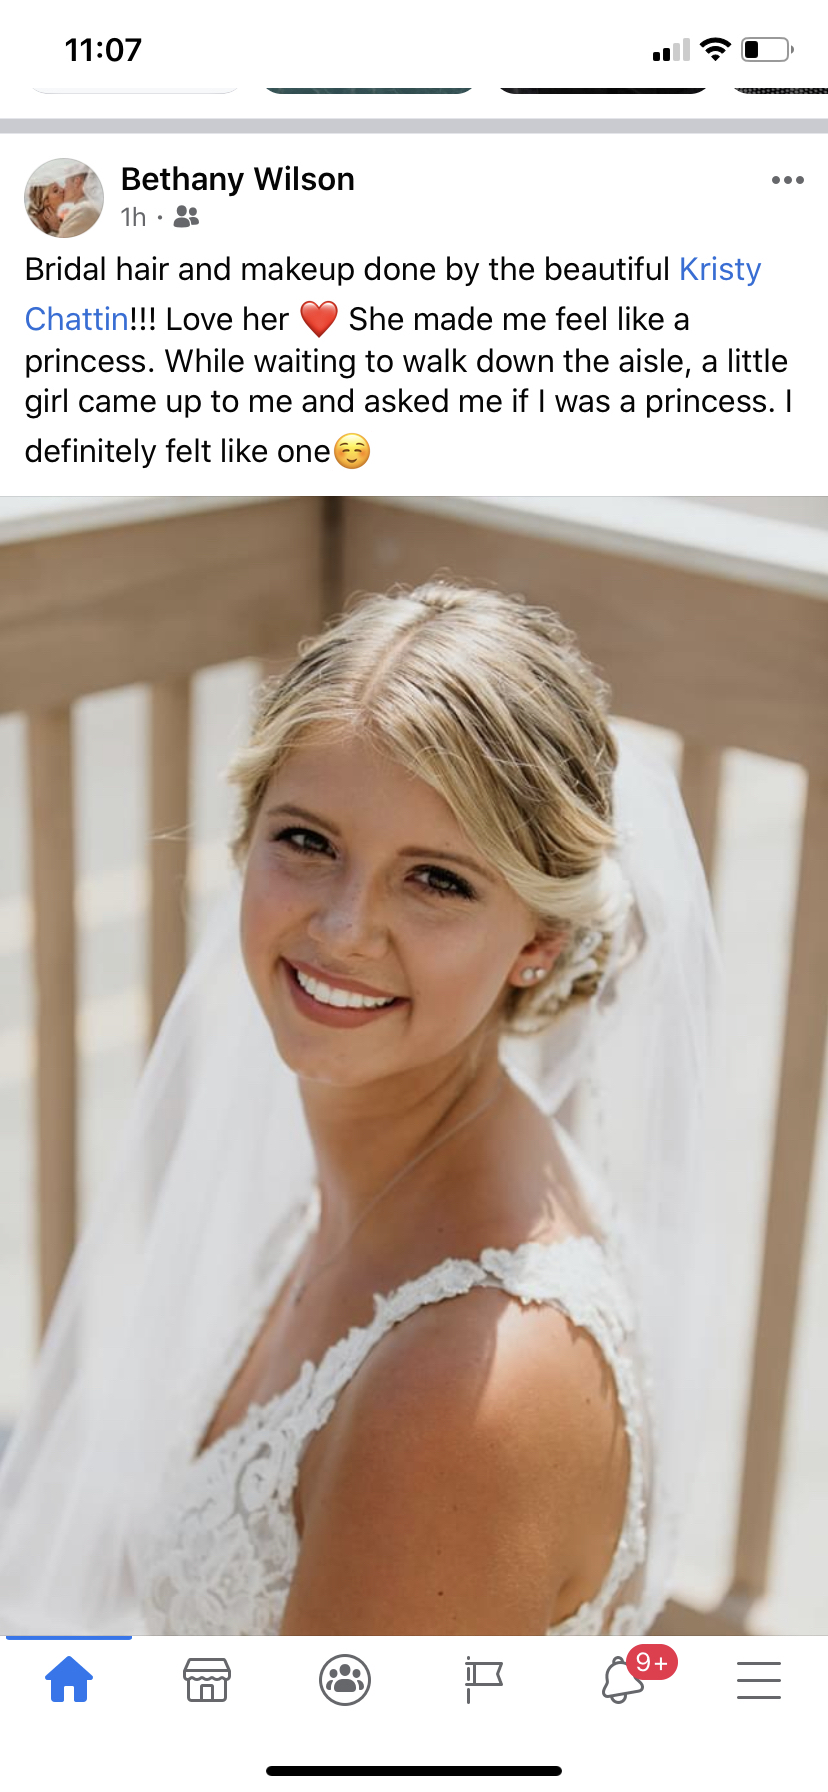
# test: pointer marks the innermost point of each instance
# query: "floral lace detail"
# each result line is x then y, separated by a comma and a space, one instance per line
219, 1554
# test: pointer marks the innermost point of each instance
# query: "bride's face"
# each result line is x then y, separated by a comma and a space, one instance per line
360, 872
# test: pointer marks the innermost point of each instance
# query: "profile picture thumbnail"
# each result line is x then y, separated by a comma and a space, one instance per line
64, 197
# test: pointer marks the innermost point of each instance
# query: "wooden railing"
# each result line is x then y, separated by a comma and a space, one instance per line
724, 652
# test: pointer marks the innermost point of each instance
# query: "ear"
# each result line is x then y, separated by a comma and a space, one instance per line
538, 956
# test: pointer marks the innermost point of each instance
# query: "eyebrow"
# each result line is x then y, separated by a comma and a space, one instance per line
406, 852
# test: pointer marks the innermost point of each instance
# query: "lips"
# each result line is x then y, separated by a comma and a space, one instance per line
329, 1016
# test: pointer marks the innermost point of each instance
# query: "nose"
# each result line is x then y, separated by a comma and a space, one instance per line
349, 923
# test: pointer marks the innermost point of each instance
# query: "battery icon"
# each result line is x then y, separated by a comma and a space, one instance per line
766, 49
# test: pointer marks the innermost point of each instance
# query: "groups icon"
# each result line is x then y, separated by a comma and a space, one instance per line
345, 1679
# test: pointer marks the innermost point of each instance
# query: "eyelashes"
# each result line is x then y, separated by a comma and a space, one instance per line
452, 886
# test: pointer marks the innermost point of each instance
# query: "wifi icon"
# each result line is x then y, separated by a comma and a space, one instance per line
715, 46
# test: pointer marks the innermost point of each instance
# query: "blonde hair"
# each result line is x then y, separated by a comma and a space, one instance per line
487, 699
36, 206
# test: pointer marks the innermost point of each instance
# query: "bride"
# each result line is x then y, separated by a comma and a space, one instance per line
361, 1341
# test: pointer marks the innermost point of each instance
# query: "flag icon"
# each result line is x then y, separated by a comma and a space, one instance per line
481, 1673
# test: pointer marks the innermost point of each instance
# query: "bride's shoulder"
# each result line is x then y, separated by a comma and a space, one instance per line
479, 1428
516, 1371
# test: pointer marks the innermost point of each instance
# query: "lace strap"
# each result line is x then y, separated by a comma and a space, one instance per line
572, 1273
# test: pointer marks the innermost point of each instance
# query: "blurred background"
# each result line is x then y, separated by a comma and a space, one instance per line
131, 637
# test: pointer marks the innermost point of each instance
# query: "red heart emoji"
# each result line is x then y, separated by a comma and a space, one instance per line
319, 317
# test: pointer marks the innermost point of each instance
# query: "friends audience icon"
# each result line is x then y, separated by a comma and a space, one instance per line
185, 216
63, 198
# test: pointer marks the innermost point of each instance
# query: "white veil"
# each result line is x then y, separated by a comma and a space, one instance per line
216, 1159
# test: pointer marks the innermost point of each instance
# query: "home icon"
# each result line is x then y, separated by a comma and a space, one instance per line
69, 1673
206, 1677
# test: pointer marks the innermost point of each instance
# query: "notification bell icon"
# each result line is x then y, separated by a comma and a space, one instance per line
619, 1683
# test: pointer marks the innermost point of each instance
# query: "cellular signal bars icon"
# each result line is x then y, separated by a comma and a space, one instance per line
678, 53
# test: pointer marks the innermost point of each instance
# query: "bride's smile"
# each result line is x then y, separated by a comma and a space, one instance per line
334, 1003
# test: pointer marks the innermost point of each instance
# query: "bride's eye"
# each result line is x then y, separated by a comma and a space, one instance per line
454, 885
294, 837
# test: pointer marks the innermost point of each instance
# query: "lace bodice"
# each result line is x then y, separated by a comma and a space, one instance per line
218, 1554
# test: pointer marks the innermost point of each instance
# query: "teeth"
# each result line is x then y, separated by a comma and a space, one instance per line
340, 998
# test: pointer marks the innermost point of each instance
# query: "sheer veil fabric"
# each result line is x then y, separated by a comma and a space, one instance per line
215, 1162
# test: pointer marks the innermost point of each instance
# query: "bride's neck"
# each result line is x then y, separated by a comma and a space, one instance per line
363, 1137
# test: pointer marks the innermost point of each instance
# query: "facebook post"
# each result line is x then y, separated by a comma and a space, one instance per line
287, 323
413, 627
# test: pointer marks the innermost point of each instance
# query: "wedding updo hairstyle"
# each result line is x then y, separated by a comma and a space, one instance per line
487, 699
36, 198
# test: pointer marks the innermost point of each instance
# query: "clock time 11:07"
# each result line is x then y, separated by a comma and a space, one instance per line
113, 49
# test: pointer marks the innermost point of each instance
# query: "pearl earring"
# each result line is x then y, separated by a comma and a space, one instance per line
531, 973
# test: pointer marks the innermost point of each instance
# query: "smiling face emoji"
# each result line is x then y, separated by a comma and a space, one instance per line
351, 451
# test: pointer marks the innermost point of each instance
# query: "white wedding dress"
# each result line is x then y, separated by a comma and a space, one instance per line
217, 1554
